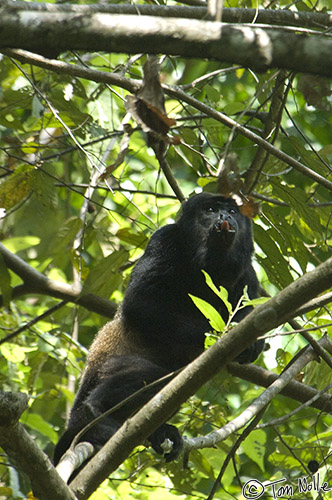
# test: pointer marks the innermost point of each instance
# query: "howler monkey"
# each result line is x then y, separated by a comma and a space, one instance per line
158, 328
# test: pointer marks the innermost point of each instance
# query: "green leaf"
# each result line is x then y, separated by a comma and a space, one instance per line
6, 492
275, 265
255, 302
221, 292
210, 339
65, 235
211, 314
37, 107
254, 447
233, 108
37, 423
297, 199
69, 395
14, 352
138, 240
105, 276
287, 236
283, 358
212, 93
43, 187
19, 243
202, 464
16, 187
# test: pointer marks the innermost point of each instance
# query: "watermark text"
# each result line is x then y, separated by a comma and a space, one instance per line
255, 489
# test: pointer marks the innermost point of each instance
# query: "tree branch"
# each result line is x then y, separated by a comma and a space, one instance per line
316, 303
162, 406
290, 373
133, 85
295, 390
35, 282
71, 69
20, 447
271, 130
315, 20
256, 47
29, 324
229, 122
167, 171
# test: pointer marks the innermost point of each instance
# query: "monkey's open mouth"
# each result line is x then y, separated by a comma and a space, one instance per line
224, 226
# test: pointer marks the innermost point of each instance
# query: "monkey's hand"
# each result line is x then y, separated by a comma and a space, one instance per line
167, 439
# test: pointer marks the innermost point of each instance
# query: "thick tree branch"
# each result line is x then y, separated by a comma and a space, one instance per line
315, 20
298, 391
162, 406
251, 46
22, 449
36, 283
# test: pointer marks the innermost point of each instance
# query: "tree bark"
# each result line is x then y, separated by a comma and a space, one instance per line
257, 47
264, 318
22, 449
315, 20
37, 283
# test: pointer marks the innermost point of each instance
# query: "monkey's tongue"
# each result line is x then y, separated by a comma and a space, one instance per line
225, 226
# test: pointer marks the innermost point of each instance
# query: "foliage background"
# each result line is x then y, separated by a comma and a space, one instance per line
57, 136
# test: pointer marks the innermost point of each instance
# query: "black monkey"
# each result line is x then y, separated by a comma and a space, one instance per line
158, 329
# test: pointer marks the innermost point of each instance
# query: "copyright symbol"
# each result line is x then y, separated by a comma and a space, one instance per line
253, 489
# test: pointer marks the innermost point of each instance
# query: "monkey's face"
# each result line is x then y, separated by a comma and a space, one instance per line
213, 222
222, 221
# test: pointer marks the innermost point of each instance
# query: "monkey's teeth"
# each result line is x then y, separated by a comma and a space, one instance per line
225, 226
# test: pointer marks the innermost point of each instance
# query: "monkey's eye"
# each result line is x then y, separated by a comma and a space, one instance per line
210, 210
232, 211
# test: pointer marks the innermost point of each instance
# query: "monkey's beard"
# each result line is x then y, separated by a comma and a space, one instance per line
210, 241
223, 234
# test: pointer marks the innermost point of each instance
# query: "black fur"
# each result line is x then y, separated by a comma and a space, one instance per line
161, 329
